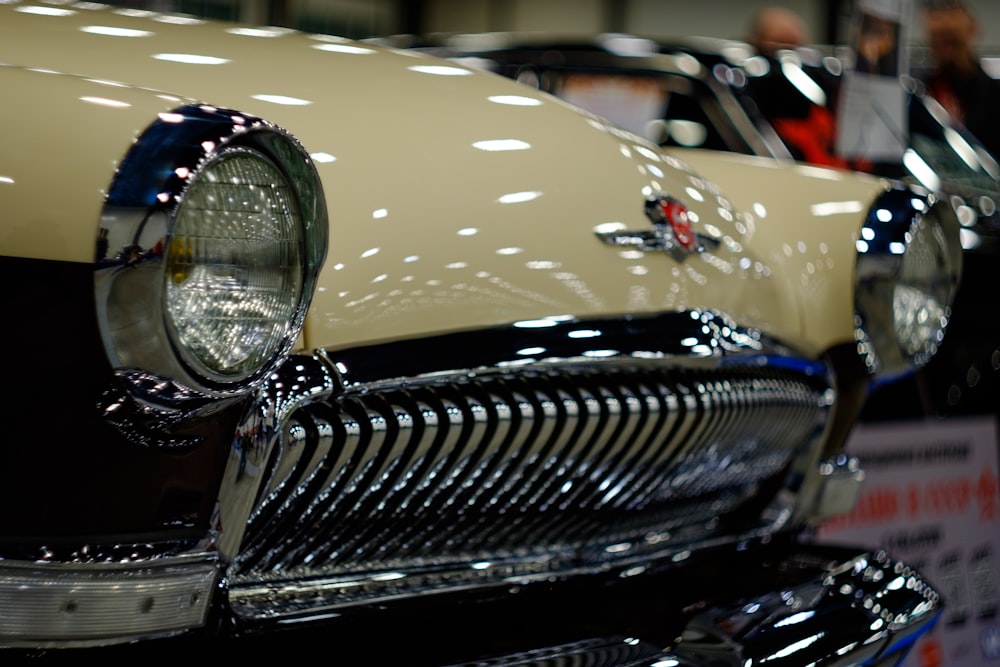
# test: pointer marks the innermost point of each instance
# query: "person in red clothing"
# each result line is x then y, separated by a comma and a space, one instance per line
956, 77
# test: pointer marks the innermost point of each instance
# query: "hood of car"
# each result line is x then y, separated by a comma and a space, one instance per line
408, 147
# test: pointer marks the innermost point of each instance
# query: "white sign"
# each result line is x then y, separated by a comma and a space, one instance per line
871, 110
931, 498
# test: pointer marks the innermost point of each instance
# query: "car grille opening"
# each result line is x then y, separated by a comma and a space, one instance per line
476, 480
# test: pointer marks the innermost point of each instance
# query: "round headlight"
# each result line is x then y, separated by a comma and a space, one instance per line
909, 263
233, 266
211, 241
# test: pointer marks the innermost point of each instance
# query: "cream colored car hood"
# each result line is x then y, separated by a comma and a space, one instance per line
457, 199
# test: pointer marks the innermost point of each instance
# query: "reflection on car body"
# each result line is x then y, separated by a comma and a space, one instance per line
279, 369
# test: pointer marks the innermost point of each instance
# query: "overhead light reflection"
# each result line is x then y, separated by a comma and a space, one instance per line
795, 647
322, 157
800, 617
44, 11
519, 197
190, 59
440, 70
515, 100
266, 32
496, 145
283, 100
535, 324
177, 19
106, 102
111, 31
134, 13
827, 208
348, 49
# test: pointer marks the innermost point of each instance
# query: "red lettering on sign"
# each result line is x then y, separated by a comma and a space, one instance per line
877, 505
987, 493
949, 496
913, 499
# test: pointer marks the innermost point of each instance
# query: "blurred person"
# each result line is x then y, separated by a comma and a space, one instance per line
956, 77
774, 28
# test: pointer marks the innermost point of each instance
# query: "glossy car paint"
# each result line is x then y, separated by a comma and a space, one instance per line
492, 200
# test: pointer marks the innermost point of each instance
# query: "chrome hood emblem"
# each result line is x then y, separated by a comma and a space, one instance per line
672, 230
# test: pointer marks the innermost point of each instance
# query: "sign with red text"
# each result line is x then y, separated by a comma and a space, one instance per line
931, 498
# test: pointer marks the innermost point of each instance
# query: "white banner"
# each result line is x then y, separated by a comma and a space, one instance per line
931, 498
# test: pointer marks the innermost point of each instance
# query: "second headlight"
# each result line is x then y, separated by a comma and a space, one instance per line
909, 265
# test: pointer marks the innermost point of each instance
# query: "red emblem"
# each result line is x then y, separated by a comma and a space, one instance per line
672, 226
676, 215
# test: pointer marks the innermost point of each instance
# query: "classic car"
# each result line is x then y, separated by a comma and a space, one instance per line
312, 337
720, 94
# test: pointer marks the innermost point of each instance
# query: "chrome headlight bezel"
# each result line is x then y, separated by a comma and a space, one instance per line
181, 285
909, 262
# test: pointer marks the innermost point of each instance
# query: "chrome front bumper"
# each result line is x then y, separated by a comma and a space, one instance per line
866, 610
805, 605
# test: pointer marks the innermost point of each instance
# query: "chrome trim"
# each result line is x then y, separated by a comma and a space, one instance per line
136, 225
64, 605
673, 435
299, 381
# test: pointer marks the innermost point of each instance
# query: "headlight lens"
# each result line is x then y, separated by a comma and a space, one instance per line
909, 263
233, 267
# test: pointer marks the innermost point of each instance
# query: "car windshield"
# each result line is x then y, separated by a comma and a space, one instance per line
958, 160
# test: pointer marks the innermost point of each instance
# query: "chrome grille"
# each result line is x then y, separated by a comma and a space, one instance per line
539, 472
